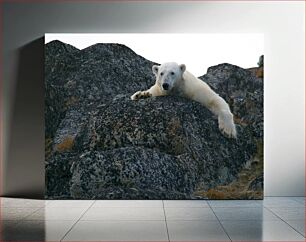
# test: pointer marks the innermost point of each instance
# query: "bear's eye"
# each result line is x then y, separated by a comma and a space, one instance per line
161, 73
172, 73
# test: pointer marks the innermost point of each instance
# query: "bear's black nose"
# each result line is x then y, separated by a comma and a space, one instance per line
165, 86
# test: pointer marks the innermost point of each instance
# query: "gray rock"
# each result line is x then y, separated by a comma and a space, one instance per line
242, 90
133, 173
257, 184
261, 61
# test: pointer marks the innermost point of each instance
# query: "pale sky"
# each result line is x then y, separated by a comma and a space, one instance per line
196, 51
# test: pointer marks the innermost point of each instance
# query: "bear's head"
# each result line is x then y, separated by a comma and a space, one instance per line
168, 75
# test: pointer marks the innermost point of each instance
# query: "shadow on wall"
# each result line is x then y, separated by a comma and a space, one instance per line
25, 160
28, 230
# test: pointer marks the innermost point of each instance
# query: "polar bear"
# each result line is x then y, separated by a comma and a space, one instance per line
174, 79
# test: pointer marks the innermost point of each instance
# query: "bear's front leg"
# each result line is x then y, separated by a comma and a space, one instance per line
226, 124
141, 94
219, 107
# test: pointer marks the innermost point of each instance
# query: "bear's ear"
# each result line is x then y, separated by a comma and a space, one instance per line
155, 69
183, 67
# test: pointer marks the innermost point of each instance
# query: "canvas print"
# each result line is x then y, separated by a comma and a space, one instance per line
154, 116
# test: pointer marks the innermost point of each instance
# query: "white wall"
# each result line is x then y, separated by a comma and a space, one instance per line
281, 22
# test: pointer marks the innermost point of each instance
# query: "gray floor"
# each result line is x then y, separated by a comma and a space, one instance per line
274, 219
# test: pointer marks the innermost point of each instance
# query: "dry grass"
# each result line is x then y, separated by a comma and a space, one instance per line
238, 189
260, 72
65, 145
48, 147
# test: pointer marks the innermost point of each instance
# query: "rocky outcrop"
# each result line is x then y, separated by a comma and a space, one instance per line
102, 145
242, 90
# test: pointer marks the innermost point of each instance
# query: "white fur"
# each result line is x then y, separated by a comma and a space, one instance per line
183, 83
